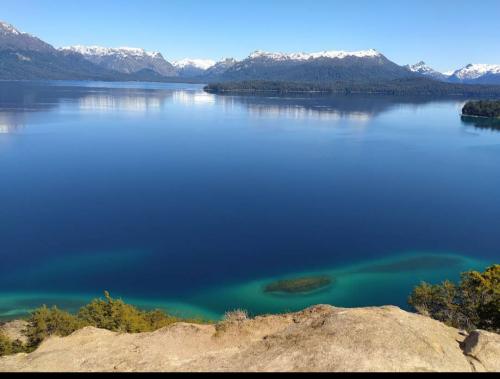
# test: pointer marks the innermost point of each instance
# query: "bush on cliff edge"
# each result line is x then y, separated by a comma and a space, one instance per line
474, 303
111, 314
10, 347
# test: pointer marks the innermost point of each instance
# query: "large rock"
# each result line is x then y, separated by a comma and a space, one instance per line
483, 349
321, 338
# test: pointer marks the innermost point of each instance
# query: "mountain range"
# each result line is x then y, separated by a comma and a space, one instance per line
477, 74
25, 57
124, 59
470, 74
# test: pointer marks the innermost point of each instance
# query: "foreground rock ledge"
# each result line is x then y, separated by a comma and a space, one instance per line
322, 338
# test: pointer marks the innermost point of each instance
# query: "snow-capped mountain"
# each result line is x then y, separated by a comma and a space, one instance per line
423, 69
26, 57
202, 64
313, 67
126, 60
6, 28
475, 71
13, 39
107, 51
259, 54
220, 67
188, 68
477, 74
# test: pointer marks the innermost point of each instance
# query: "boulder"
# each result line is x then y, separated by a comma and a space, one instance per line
483, 350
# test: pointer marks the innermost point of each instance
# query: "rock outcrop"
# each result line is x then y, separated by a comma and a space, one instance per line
483, 350
319, 339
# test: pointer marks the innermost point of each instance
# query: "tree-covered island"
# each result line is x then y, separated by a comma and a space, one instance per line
483, 108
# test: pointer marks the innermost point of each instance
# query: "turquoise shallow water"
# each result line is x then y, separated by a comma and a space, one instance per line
372, 283
171, 197
380, 282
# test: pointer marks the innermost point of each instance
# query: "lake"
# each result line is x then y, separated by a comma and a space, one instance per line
171, 197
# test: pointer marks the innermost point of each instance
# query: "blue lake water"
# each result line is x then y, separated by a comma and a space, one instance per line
171, 197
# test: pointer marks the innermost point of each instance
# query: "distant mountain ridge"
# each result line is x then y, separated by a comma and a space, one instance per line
425, 70
15, 40
259, 54
488, 74
219, 68
24, 56
316, 67
124, 59
477, 74
190, 68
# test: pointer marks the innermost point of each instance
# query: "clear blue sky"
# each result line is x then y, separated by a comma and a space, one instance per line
447, 34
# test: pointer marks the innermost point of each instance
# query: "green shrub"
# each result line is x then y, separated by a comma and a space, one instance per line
158, 319
45, 322
115, 315
7, 346
472, 304
108, 313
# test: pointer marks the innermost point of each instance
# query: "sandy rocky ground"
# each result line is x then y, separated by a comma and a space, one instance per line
321, 338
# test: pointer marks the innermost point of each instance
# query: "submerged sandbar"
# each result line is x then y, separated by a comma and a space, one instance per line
299, 285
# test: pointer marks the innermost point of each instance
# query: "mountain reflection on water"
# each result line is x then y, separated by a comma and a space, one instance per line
10, 122
19, 99
326, 107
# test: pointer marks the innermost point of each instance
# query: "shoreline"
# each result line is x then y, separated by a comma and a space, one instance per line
481, 117
343, 92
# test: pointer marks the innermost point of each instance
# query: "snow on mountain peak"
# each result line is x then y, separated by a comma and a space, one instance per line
474, 71
421, 67
202, 64
107, 51
333, 54
8, 28
418, 66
